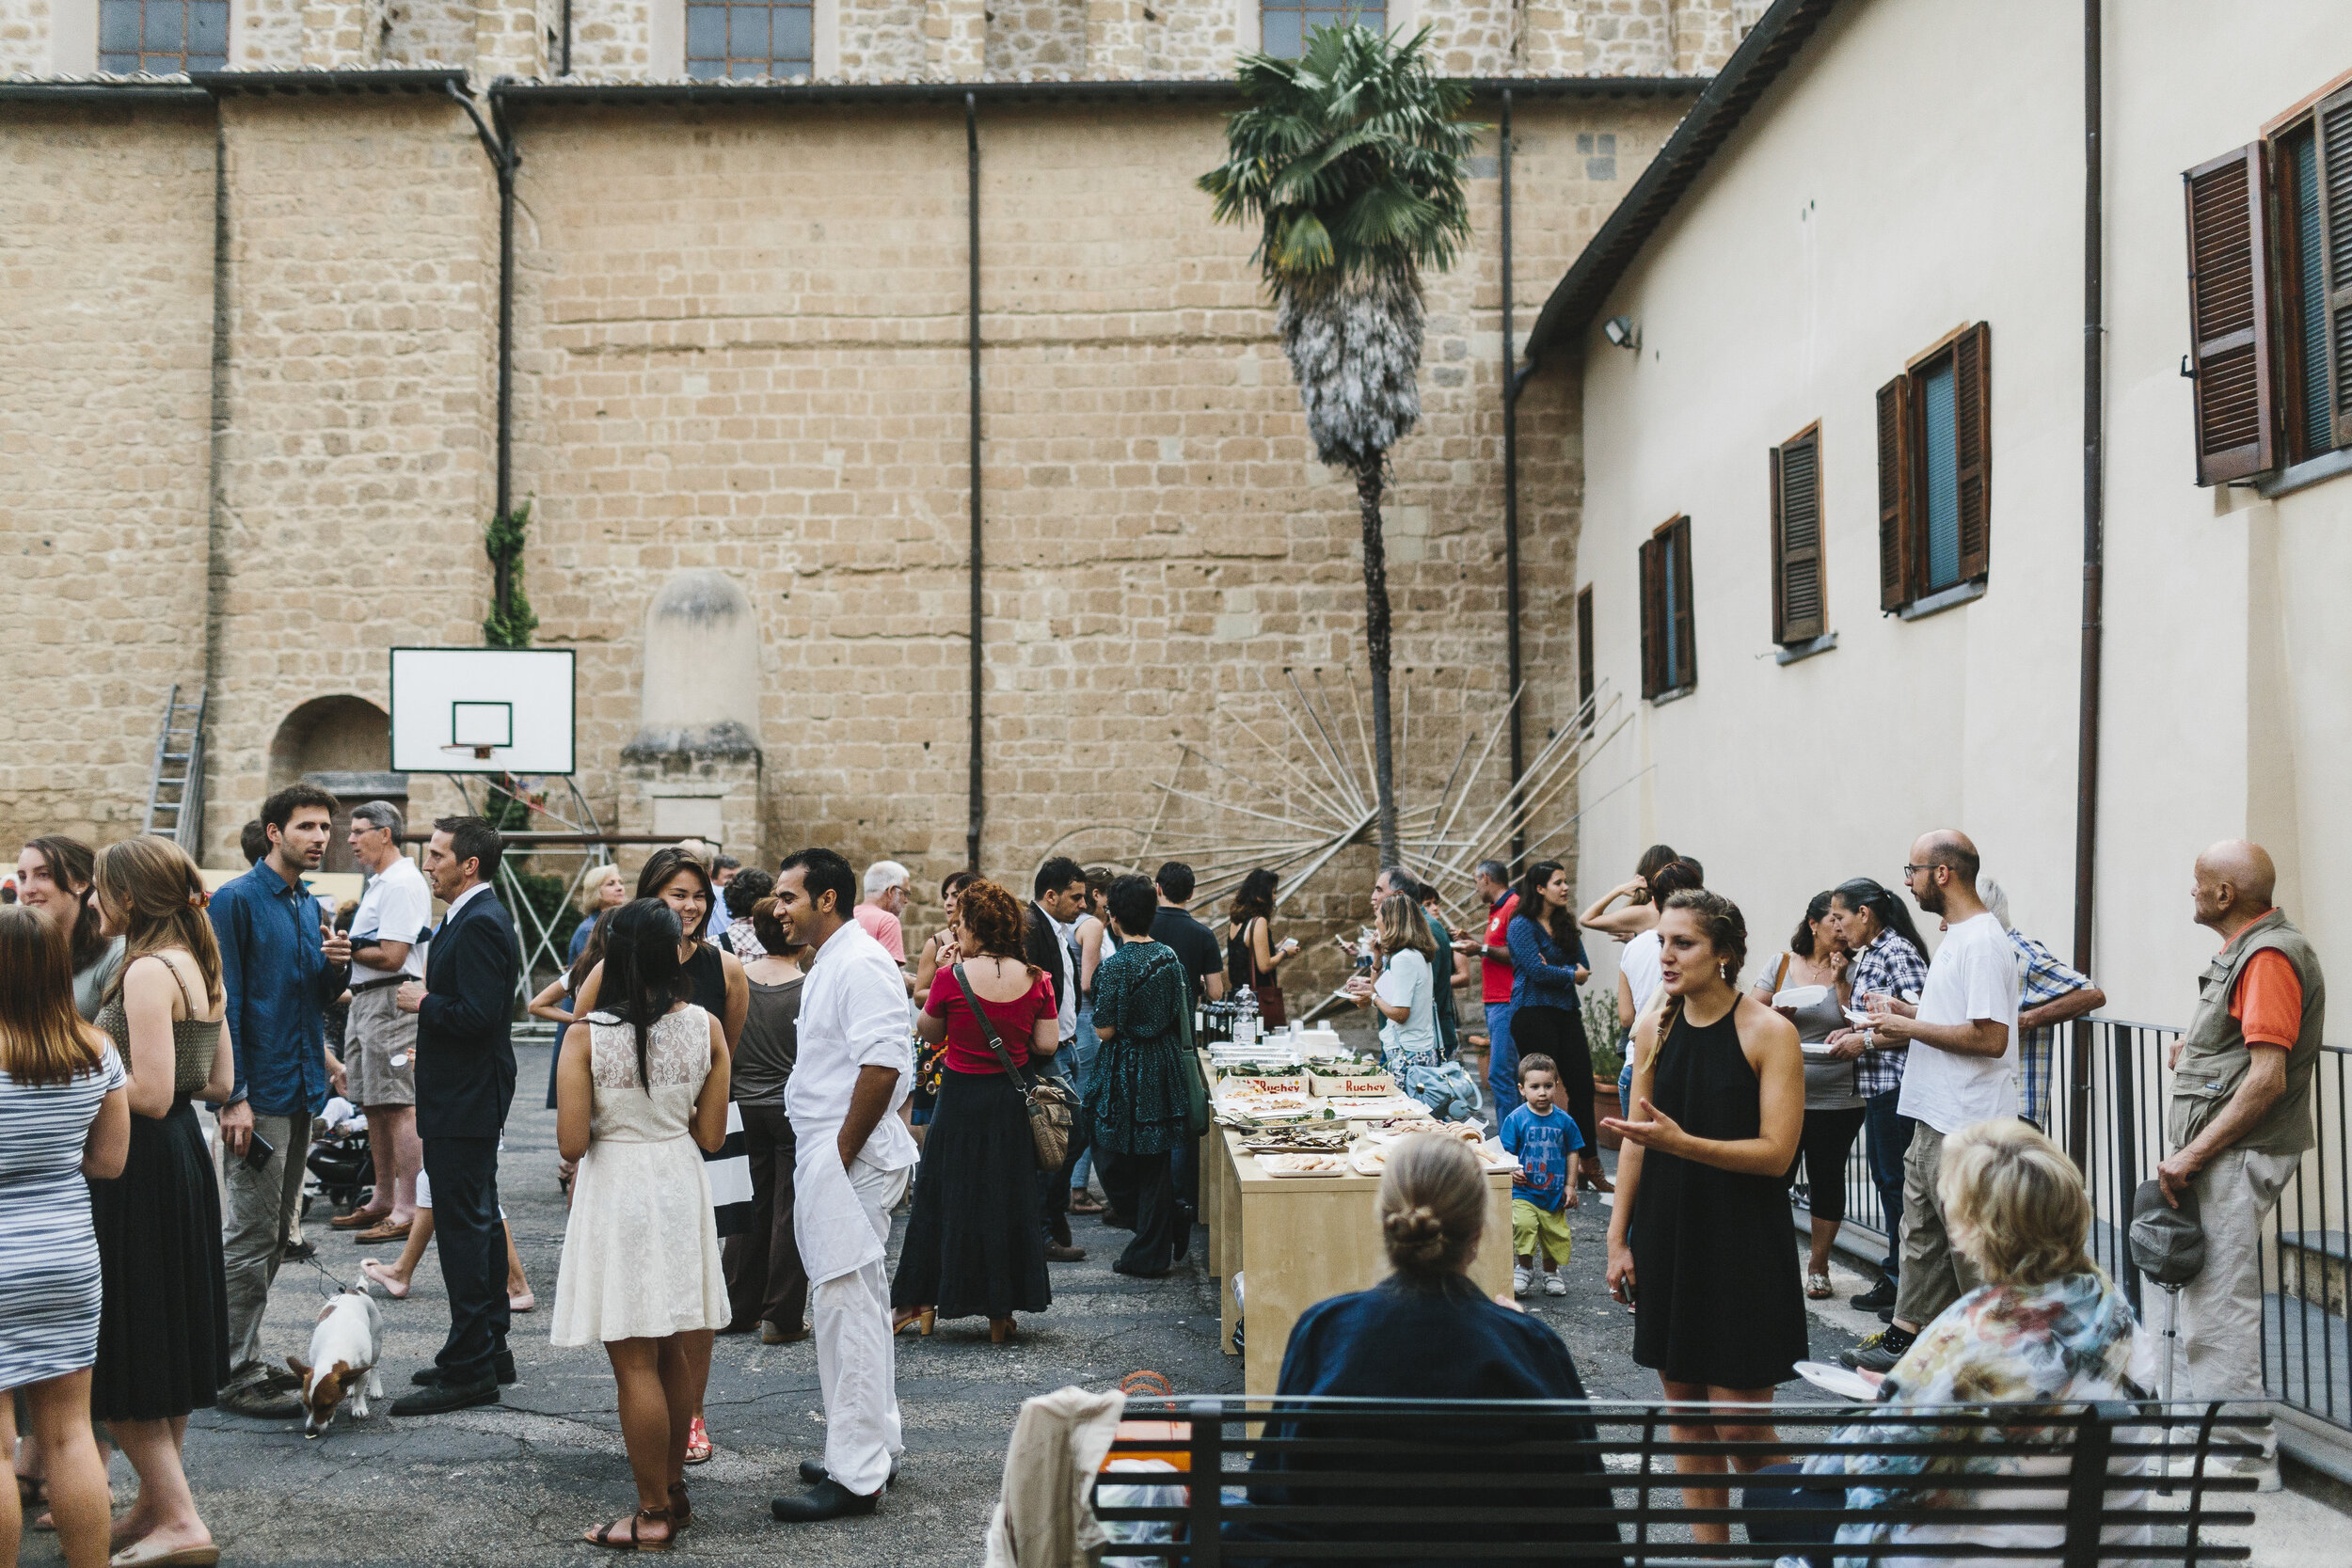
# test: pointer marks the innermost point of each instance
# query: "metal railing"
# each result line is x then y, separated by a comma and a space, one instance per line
2118, 1130
1233, 1479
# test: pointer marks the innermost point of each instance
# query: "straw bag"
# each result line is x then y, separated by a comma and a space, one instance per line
1051, 1105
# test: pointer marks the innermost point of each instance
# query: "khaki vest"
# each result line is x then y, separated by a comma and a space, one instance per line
2214, 1053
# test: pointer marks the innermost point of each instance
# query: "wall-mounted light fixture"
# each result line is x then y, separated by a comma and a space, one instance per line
1621, 331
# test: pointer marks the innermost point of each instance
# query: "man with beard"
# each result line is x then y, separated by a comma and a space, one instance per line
1967, 1018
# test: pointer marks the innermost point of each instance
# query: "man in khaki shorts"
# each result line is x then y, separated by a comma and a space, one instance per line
380, 1040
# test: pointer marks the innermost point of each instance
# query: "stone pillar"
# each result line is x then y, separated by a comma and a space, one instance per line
693, 769
955, 39
510, 39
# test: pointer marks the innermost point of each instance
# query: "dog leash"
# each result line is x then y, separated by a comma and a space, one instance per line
332, 1287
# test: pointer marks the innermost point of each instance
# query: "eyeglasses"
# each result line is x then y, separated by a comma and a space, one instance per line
1909, 870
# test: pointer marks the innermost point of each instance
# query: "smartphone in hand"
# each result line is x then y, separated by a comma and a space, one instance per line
257, 1150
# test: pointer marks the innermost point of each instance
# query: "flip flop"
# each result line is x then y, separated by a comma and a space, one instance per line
381, 1274
144, 1554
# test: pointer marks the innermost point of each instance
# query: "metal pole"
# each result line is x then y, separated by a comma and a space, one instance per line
2095, 549
972, 203
499, 145
1511, 500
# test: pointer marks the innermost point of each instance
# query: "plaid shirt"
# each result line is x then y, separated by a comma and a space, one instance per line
1891, 965
2043, 979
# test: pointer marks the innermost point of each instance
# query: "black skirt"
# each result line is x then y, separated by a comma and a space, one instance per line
163, 1330
976, 1243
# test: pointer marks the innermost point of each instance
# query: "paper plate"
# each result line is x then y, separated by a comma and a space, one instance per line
1840, 1381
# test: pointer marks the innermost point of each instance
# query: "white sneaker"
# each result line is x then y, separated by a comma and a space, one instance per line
1518, 1282
1555, 1286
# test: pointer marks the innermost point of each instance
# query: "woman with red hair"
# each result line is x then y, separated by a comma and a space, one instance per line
974, 1246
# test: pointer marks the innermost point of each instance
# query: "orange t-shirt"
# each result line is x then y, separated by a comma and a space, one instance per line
2269, 1006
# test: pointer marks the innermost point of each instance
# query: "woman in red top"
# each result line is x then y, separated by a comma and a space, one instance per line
974, 1243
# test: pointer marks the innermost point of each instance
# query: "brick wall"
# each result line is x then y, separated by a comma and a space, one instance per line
106, 354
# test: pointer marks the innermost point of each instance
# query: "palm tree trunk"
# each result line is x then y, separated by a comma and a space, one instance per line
1376, 648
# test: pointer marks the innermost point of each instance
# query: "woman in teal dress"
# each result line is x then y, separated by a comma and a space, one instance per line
1135, 1089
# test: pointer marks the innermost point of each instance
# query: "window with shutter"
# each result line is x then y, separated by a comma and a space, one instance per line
1584, 654
2305, 368
1682, 672
1798, 611
1895, 493
2229, 314
1972, 453
1653, 604
2333, 139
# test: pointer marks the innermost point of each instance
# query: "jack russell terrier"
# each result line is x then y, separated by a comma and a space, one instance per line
345, 1348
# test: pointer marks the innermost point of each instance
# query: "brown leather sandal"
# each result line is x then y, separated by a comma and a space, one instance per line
609, 1536
681, 1508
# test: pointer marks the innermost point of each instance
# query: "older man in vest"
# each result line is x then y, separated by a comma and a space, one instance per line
2240, 1117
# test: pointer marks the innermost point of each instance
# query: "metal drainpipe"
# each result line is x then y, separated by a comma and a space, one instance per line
499, 145
972, 198
2095, 551
215, 496
1512, 381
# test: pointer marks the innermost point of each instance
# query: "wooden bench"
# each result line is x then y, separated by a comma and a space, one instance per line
1361, 1480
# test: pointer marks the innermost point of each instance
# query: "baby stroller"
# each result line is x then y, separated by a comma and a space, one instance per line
342, 1171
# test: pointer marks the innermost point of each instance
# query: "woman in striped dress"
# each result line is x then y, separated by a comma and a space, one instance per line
65, 1115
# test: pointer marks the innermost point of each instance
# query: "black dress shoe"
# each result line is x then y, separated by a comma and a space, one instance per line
827, 1499
813, 1471
436, 1398
257, 1402
503, 1363
1057, 1253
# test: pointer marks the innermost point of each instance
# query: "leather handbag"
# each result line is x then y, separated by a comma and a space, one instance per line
1052, 1107
1196, 1108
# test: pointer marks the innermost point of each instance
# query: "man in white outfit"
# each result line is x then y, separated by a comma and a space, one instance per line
855, 1066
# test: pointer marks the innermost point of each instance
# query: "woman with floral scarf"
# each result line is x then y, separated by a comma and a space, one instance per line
2047, 1328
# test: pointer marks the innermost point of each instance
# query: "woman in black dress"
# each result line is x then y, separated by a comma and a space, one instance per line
163, 1333
1699, 1241
974, 1245
716, 985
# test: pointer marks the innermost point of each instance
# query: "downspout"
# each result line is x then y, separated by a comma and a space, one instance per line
1512, 382
972, 204
499, 145
215, 498
2095, 551
563, 56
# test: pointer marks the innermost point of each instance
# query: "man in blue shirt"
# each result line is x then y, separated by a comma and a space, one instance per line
280, 965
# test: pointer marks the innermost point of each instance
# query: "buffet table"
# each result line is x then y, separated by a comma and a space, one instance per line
1298, 1240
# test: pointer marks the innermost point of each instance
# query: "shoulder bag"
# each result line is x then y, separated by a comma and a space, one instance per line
1051, 1105
1197, 1110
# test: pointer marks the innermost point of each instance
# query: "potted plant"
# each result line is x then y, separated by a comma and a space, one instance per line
1607, 1043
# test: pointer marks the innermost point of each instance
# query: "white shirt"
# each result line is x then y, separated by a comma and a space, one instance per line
447, 915
396, 907
853, 1015
1973, 975
1406, 983
1066, 983
1639, 965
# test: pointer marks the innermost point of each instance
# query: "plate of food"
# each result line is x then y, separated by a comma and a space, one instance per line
1303, 1165
1328, 1138
1388, 1109
1837, 1380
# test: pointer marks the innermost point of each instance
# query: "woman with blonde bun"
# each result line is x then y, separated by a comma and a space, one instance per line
1428, 1333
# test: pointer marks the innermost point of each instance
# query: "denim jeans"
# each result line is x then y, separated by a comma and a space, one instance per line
1082, 1054
1886, 1135
1763, 1502
1503, 1061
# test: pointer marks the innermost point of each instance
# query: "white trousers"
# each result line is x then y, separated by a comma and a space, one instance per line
857, 1362
2221, 1309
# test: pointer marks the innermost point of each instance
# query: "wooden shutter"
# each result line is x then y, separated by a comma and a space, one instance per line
1653, 607
2332, 146
2229, 314
1585, 653
1971, 435
1686, 646
1798, 613
1895, 494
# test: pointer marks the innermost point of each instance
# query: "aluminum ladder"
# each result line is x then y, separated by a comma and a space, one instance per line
175, 790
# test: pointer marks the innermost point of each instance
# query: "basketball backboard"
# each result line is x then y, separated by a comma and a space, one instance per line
482, 710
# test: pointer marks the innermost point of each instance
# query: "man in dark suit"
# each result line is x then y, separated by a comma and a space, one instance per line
464, 1082
1061, 897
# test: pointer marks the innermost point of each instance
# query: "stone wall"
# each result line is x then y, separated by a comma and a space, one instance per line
106, 356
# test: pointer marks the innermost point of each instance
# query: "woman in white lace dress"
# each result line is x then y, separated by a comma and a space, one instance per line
641, 1090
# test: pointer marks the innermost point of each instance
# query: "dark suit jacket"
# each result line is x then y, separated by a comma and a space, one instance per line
1043, 950
464, 1041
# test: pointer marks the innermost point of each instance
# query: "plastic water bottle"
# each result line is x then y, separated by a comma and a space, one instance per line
1245, 1017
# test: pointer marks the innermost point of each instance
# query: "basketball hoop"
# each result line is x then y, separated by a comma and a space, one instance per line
480, 754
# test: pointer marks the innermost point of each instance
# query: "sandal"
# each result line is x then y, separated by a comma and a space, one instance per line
1082, 1205
1817, 1287
681, 1508
697, 1442
921, 1319
609, 1536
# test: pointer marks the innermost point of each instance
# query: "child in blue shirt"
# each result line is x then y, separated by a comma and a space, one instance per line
1547, 1142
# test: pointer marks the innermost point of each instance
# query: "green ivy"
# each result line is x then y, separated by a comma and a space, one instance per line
510, 621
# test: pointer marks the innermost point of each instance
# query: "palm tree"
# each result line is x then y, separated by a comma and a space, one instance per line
1350, 159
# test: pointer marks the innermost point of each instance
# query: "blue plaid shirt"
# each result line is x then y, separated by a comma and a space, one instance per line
1891, 965
2043, 979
